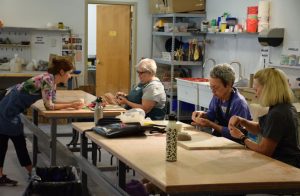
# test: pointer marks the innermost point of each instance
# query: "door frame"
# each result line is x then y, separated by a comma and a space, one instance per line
133, 35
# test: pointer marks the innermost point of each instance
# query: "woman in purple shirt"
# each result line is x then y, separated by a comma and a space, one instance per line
226, 102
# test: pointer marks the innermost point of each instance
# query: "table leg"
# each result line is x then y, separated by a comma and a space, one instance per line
122, 174
178, 109
84, 153
70, 85
94, 153
74, 140
35, 116
53, 142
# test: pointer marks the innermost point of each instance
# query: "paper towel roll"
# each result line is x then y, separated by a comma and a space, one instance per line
262, 26
263, 8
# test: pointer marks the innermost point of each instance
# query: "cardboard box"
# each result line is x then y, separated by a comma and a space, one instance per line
174, 6
157, 6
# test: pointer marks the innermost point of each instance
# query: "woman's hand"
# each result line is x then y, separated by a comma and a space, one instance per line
122, 100
198, 118
77, 104
235, 132
197, 114
203, 122
120, 94
234, 122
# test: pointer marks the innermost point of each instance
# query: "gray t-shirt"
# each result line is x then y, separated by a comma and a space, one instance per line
281, 125
155, 91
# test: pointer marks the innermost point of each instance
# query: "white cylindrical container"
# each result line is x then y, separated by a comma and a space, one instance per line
171, 140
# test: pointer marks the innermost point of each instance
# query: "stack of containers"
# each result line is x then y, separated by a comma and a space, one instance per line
263, 15
252, 19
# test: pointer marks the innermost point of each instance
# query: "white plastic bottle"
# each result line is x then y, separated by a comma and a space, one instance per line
98, 113
171, 139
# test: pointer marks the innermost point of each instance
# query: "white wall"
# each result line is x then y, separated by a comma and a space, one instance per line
37, 13
246, 49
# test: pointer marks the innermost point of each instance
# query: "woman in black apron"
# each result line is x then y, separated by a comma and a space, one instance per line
18, 99
149, 94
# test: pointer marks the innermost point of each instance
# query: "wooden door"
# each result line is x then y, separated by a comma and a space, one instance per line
113, 49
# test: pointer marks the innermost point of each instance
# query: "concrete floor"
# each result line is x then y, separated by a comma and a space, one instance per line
14, 171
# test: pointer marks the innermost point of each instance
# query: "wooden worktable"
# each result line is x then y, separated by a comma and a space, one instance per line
205, 171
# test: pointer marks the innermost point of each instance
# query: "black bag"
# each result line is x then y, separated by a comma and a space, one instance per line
116, 130
107, 121
57, 181
120, 130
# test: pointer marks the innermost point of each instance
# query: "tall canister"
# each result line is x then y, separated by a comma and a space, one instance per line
171, 139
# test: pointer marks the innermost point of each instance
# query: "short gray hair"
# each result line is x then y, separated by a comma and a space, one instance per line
224, 72
148, 65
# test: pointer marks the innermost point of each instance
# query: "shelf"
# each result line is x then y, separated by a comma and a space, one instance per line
20, 74
34, 29
182, 34
14, 45
232, 33
286, 66
178, 15
190, 63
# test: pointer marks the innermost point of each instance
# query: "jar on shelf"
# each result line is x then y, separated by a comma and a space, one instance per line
60, 25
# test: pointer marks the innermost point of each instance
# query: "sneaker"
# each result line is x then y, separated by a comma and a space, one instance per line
6, 181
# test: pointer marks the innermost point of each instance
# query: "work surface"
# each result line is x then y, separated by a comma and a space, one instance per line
214, 170
71, 95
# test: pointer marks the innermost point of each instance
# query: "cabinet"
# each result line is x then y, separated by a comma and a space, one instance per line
178, 35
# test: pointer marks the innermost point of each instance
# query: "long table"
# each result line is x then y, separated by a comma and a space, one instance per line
65, 95
228, 170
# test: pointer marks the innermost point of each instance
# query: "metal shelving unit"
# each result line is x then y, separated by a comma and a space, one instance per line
159, 46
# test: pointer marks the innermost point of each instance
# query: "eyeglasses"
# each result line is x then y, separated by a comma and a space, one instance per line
140, 72
214, 88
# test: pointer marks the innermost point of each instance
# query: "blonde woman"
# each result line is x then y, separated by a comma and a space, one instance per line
279, 126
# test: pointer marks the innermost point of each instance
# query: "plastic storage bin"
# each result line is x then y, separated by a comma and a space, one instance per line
55, 181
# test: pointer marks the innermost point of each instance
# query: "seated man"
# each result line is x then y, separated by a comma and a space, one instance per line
148, 95
226, 102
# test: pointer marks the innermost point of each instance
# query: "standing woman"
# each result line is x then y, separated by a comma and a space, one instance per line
279, 127
22, 96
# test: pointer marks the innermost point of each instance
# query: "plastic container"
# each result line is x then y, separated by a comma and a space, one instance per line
252, 10
252, 25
